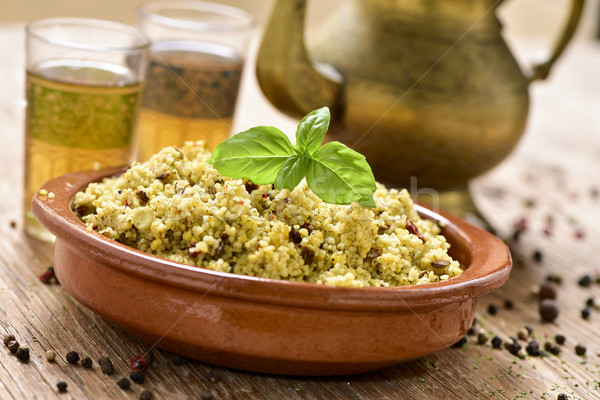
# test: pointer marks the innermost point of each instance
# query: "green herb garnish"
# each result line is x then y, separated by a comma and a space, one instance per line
265, 155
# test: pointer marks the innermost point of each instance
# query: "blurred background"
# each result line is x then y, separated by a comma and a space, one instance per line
527, 17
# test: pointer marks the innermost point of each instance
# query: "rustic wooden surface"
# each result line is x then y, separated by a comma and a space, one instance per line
551, 181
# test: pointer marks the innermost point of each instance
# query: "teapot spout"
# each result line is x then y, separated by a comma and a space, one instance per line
285, 73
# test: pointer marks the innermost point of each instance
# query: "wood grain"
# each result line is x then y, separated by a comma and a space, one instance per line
553, 173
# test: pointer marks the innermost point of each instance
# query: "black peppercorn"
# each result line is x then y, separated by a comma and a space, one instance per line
496, 342
62, 386
552, 348
9, 337
106, 365
548, 310
482, 338
562, 396
580, 350
72, 357
509, 304
585, 281
538, 256
585, 313
87, 362
124, 383
13, 345
533, 348
460, 343
590, 302
492, 309
560, 339
137, 376
22, 353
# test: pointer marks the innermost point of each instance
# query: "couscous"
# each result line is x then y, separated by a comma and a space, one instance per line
177, 206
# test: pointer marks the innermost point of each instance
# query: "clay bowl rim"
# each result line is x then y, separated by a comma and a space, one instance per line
488, 258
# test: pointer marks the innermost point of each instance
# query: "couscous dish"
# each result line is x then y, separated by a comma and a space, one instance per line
178, 207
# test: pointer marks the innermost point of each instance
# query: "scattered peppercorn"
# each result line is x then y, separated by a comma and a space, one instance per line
106, 365
124, 383
586, 312
585, 281
214, 377
590, 302
560, 339
146, 395
13, 345
513, 347
482, 338
459, 343
548, 310
62, 386
496, 342
22, 353
137, 376
548, 290
149, 356
552, 348
538, 256
50, 355
9, 337
87, 362
178, 359
529, 329
580, 350
72, 357
533, 348
562, 396
47, 275
509, 304
523, 334
492, 309
138, 363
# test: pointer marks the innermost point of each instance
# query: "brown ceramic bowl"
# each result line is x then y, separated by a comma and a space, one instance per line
267, 325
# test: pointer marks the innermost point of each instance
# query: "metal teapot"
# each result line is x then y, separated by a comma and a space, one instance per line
424, 89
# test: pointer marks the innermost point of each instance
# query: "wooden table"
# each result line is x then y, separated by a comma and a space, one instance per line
551, 182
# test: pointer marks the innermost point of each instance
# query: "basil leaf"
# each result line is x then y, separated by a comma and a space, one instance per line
292, 172
256, 154
311, 130
340, 175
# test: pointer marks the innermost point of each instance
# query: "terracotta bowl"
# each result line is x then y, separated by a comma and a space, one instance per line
267, 325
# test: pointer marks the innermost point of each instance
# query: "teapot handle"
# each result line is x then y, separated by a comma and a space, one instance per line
541, 70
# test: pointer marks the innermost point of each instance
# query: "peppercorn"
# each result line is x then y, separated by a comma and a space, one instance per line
87, 362
137, 376
138, 363
533, 348
460, 342
22, 353
62, 386
492, 309
548, 310
580, 350
146, 395
496, 342
538, 256
585, 281
124, 383
585, 313
106, 365
72, 357
9, 337
50, 355
149, 358
513, 347
554, 279
214, 377
13, 345
552, 348
178, 359
562, 396
509, 304
482, 338
523, 334
590, 302
548, 290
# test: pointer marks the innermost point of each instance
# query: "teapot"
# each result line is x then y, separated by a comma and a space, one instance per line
426, 90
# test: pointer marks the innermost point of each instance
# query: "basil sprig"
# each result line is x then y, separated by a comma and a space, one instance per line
265, 155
